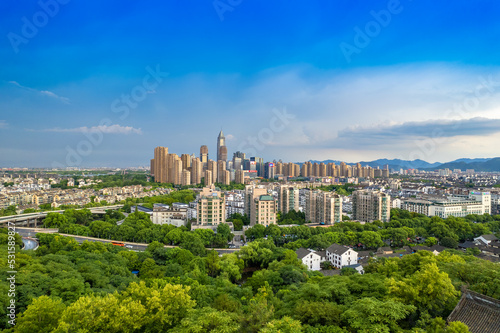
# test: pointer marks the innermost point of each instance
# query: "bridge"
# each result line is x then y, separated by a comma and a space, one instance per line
32, 219
27, 233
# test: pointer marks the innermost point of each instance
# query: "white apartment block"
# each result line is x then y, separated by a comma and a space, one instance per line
459, 206
310, 258
341, 256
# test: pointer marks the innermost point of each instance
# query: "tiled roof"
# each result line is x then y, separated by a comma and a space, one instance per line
467, 244
301, 252
489, 237
337, 249
479, 312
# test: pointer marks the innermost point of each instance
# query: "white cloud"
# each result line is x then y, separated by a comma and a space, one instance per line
112, 129
42, 92
230, 137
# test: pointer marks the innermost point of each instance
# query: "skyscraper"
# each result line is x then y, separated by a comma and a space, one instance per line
323, 207
196, 171
368, 206
204, 155
223, 154
221, 142
160, 168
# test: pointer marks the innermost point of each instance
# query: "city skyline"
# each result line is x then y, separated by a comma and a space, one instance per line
116, 80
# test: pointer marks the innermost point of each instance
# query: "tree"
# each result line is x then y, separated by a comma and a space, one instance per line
438, 325
371, 315
100, 229
208, 320
449, 242
55, 220
193, 243
224, 230
371, 239
238, 224
213, 263
431, 241
427, 289
110, 313
347, 271
166, 304
283, 325
259, 311
174, 237
231, 266
318, 313
255, 232
41, 316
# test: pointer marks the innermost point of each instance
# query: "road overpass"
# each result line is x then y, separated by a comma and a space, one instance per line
31, 232
32, 219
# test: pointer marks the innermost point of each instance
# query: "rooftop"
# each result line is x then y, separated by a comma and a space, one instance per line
479, 312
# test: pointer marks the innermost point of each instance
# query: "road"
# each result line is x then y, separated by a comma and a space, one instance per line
39, 215
29, 244
31, 232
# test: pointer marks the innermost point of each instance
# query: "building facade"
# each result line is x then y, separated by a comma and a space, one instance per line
323, 207
368, 206
211, 207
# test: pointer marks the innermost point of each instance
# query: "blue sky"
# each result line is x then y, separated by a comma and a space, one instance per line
422, 81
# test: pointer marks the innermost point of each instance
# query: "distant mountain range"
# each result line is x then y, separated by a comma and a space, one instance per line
478, 164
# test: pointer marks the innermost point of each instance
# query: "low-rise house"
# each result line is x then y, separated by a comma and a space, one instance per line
435, 249
384, 250
341, 256
485, 239
309, 258
175, 215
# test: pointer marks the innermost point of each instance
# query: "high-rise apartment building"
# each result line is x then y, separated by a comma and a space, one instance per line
269, 170
288, 198
221, 142
227, 177
211, 207
239, 177
221, 167
186, 177
212, 166
186, 161
223, 154
369, 206
204, 155
323, 207
251, 193
209, 181
263, 211
160, 164
196, 171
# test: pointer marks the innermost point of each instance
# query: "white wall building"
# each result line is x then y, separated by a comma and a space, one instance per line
341, 256
175, 215
309, 258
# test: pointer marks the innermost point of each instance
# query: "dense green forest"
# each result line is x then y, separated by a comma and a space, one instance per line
66, 287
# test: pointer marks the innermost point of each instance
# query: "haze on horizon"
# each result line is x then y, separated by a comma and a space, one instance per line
359, 81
